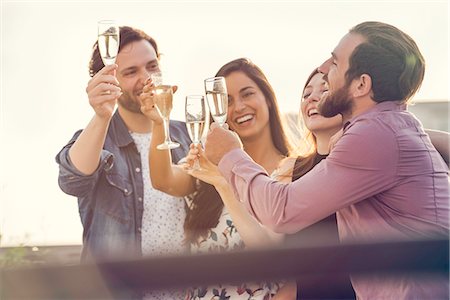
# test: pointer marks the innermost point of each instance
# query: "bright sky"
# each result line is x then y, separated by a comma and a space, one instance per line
46, 45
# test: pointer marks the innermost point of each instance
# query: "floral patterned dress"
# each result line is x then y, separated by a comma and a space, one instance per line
225, 238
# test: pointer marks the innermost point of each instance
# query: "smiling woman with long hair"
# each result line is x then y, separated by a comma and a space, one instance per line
253, 114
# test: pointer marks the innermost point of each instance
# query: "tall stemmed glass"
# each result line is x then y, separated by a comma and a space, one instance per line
163, 96
108, 41
195, 120
216, 93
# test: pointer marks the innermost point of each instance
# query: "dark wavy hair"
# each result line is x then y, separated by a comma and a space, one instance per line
207, 205
127, 36
391, 58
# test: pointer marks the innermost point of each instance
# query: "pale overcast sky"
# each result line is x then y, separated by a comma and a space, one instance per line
46, 45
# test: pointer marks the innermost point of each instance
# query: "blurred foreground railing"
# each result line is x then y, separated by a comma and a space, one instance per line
101, 280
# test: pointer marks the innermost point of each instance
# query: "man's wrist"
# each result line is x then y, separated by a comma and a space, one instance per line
101, 120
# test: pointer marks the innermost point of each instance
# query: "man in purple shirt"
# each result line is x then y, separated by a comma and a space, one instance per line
383, 178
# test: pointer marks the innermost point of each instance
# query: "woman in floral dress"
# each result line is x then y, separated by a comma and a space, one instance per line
253, 114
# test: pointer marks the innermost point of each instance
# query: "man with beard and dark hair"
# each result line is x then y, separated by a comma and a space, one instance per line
105, 165
383, 177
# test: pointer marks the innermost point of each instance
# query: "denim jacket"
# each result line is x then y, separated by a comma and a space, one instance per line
110, 201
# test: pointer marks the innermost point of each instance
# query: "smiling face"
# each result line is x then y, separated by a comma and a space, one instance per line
312, 93
136, 61
338, 100
248, 113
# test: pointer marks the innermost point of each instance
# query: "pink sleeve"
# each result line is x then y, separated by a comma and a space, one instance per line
362, 164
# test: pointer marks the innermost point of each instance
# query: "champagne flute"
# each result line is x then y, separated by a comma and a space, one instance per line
108, 41
195, 120
216, 93
157, 78
163, 97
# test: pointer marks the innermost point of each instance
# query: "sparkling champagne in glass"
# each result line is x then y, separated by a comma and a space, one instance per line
108, 41
163, 97
195, 119
216, 93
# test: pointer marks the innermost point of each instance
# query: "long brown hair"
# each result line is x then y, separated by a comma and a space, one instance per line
253, 72
206, 206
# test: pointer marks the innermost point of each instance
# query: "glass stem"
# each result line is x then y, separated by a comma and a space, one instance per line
166, 130
196, 165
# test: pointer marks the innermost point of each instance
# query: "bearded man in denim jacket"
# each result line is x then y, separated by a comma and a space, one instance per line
106, 165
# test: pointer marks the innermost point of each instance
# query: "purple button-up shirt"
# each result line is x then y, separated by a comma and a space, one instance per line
384, 179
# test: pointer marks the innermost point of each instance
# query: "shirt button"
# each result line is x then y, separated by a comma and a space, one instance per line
139, 229
138, 170
140, 199
125, 190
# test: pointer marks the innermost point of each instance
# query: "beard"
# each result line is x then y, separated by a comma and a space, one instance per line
130, 103
338, 102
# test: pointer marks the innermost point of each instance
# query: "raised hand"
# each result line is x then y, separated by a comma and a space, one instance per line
208, 172
219, 142
103, 91
148, 106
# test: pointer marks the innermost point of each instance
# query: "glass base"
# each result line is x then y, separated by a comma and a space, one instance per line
167, 145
